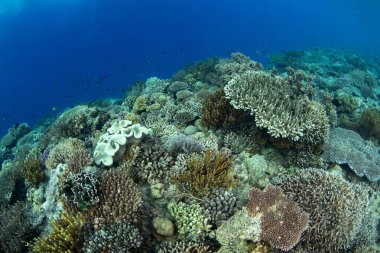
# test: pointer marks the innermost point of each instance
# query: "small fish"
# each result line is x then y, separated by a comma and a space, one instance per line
258, 52
53, 108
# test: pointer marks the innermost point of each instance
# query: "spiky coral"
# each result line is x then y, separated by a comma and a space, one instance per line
282, 221
183, 247
64, 237
15, 228
218, 113
119, 199
203, 174
31, 169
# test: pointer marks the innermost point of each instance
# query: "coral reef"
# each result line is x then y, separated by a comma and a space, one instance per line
347, 147
335, 207
282, 220
225, 132
276, 108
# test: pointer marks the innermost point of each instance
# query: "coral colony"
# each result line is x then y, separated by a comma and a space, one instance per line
226, 156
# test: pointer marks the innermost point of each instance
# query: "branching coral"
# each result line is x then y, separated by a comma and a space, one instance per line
282, 221
181, 143
219, 205
272, 101
203, 174
218, 113
31, 169
64, 237
15, 228
336, 209
119, 199
8, 176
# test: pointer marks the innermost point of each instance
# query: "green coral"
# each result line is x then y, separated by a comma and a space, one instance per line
190, 220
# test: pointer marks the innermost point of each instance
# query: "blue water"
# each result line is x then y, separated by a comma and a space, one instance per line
57, 53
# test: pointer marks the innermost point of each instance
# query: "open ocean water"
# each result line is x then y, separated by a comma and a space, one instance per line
189, 126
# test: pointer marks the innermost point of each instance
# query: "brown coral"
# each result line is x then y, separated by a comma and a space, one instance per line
218, 113
205, 173
282, 220
119, 199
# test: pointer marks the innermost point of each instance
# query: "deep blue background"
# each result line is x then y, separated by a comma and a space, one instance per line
56, 53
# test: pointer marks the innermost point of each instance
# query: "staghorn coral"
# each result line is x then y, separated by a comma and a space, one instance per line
219, 205
183, 247
218, 113
235, 234
79, 189
31, 169
303, 159
192, 224
119, 199
177, 86
273, 102
64, 237
239, 142
15, 229
71, 152
203, 174
115, 237
282, 221
336, 208
347, 147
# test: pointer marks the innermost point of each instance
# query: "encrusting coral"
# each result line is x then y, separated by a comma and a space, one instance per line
277, 108
282, 220
348, 147
203, 174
